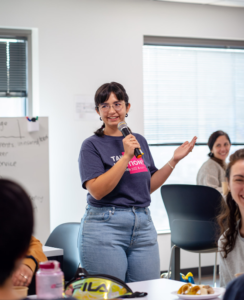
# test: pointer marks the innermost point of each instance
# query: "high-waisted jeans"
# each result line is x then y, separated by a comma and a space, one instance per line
121, 242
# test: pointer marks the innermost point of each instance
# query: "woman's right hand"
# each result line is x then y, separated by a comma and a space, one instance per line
22, 276
130, 143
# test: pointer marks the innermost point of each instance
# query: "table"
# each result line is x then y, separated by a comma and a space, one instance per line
158, 289
54, 254
51, 251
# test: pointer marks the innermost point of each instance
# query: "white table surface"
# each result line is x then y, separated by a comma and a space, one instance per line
158, 289
51, 251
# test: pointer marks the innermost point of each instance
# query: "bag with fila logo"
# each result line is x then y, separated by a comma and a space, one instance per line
88, 287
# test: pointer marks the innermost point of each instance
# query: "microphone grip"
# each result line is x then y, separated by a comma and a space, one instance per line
138, 153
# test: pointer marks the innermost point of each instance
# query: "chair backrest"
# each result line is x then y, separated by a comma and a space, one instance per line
65, 237
192, 212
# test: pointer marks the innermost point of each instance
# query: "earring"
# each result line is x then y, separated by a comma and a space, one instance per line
100, 119
126, 115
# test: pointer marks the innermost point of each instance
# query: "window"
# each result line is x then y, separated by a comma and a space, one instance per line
15, 73
191, 87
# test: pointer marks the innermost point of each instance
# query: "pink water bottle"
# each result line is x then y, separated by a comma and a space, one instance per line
49, 280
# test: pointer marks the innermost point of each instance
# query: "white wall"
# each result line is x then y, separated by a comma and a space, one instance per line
85, 43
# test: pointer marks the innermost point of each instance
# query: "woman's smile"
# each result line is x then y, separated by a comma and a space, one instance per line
113, 118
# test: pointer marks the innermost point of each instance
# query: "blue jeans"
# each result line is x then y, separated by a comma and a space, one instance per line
121, 242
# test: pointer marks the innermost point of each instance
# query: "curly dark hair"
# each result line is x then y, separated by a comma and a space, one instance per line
102, 95
230, 212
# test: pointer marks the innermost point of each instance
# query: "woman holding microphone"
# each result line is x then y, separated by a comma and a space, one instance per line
117, 236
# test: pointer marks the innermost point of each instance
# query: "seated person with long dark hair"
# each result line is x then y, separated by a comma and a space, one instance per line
212, 172
16, 223
231, 221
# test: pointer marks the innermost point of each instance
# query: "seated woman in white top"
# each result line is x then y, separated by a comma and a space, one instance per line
212, 172
231, 221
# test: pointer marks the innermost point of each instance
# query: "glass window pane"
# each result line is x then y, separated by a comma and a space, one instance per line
12, 107
192, 91
13, 74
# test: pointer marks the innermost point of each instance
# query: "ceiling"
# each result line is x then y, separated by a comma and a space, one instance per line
233, 3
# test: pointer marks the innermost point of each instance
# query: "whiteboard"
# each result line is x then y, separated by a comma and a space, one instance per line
24, 158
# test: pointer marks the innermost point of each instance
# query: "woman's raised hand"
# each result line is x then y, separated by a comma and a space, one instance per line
184, 150
130, 143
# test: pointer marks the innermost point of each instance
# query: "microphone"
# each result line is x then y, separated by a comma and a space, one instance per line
122, 126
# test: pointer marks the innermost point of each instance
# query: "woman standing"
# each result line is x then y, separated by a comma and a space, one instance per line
231, 221
117, 236
212, 172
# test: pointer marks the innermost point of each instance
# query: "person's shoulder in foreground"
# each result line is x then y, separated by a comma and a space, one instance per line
235, 289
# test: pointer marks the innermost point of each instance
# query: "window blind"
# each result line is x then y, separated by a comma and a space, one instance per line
192, 91
13, 69
3, 67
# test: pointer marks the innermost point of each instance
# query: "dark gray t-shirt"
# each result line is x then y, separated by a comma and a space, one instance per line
99, 154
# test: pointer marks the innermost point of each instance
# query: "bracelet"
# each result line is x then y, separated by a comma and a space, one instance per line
170, 165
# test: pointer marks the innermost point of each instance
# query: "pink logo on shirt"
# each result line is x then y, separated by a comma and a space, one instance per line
136, 165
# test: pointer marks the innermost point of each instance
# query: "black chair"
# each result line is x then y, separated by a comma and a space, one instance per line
192, 212
65, 237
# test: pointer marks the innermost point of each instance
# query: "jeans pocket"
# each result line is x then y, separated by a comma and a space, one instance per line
148, 212
98, 217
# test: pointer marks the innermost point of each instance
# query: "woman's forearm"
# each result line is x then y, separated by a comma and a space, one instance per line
159, 177
105, 183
